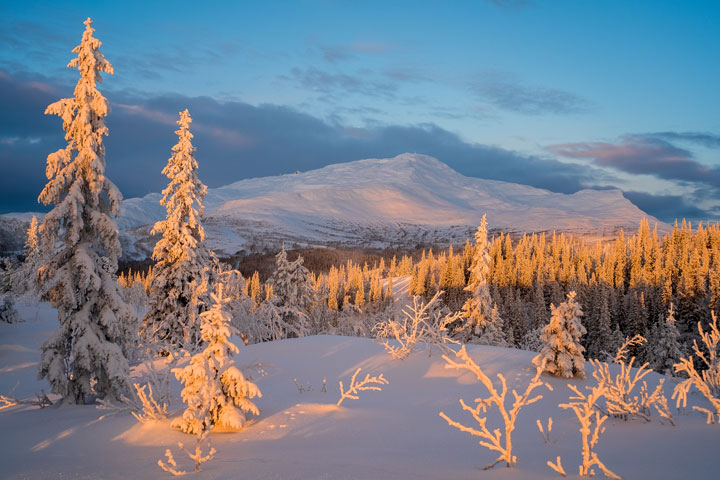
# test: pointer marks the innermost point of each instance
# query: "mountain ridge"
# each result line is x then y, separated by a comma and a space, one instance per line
401, 201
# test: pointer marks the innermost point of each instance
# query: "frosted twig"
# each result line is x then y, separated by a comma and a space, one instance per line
545, 433
7, 402
591, 428
197, 456
557, 466
493, 440
302, 388
366, 384
624, 349
151, 409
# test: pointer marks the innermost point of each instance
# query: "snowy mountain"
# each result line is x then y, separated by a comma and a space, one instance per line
400, 201
404, 200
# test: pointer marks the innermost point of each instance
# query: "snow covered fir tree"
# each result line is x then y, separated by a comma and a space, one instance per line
183, 263
215, 391
88, 354
664, 349
288, 314
562, 354
482, 323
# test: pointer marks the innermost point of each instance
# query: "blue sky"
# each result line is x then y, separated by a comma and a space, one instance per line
557, 94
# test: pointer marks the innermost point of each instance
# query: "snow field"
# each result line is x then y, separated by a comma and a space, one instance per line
392, 434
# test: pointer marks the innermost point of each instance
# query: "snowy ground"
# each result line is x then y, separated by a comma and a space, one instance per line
392, 434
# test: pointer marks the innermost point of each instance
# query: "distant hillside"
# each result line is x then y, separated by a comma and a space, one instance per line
394, 202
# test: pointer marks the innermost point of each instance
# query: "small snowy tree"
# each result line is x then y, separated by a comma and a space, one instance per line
483, 324
177, 292
562, 354
215, 391
97, 329
664, 346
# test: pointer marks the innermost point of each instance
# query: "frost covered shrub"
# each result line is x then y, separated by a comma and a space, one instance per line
706, 381
421, 323
562, 354
625, 396
215, 391
8, 314
591, 427
493, 440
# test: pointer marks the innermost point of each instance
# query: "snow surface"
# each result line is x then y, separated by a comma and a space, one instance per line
407, 199
392, 434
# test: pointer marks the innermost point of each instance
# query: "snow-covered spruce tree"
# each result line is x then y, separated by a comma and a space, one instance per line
292, 294
33, 260
88, 355
562, 353
215, 391
664, 348
177, 295
482, 324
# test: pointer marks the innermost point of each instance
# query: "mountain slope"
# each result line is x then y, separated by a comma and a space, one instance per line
403, 200
400, 201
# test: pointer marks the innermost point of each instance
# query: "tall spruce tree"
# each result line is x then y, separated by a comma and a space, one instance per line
88, 354
177, 291
482, 324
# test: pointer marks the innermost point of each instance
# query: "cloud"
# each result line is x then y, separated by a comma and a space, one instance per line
332, 84
235, 140
704, 139
640, 154
512, 96
341, 53
668, 207
408, 74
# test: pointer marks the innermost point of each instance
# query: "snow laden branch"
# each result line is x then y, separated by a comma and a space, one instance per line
591, 427
420, 324
493, 440
368, 383
197, 456
624, 350
707, 381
